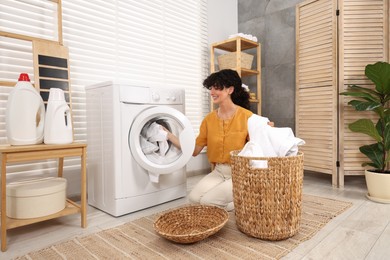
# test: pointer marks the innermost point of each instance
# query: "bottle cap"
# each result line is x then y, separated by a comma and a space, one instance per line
56, 94
23, 77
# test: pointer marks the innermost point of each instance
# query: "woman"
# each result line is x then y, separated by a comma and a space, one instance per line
222, 130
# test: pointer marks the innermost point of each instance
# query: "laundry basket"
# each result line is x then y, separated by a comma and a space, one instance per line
267, 201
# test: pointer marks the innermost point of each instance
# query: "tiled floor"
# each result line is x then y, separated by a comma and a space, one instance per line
362, 232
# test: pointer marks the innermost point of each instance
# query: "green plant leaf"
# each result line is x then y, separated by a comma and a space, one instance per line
366, 93
362, 95
379, 73
363, 106
369, 164
380, 111
357, 88
383, 128
375, 153
365, 126
386, 132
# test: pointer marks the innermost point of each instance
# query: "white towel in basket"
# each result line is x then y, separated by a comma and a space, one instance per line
251, 149
268, 141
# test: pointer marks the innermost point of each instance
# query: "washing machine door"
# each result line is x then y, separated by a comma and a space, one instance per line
166, 158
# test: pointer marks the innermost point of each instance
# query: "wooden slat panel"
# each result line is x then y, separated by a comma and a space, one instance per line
51, 68
316, 95
363, 40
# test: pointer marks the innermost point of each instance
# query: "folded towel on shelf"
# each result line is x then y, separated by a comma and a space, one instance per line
268, 141
244, 35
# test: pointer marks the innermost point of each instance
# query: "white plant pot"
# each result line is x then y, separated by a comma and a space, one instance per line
378, 185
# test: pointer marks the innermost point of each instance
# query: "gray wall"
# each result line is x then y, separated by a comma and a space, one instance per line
221, 19
273, 23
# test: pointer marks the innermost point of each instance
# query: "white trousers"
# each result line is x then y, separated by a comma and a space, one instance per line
215, 188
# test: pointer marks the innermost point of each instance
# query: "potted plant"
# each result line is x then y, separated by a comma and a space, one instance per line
375, 100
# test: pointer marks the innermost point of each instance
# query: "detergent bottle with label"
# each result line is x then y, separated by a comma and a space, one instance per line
58, 122
25, 114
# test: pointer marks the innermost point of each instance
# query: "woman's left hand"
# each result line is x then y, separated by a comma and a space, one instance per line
172, 138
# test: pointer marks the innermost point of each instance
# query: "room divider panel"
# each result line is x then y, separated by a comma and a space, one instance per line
335, 40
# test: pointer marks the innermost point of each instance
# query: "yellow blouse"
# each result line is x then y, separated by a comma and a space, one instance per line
222, 136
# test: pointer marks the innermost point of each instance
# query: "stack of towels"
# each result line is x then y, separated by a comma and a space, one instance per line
243, 35
268, 141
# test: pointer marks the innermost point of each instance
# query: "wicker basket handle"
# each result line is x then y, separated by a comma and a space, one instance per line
253, 163
256, 164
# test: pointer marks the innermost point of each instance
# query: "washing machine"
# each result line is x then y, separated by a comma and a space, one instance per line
124, 174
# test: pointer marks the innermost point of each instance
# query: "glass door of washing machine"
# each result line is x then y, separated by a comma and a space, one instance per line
147, 143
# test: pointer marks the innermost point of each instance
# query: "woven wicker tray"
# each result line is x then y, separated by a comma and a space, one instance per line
190, 224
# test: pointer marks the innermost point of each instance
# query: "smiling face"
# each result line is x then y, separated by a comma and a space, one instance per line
219, 95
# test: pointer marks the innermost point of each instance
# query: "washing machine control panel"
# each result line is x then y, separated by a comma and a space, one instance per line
166, 96
151, 95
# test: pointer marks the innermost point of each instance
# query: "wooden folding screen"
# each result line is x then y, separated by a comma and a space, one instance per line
335, 40
316, 81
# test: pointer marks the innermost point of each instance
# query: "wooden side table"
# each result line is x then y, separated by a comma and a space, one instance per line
23, 153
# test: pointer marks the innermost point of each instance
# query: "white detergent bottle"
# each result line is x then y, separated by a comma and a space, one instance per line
25, 115
58, 126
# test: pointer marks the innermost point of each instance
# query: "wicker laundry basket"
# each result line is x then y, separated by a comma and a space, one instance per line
229, 60
268, 201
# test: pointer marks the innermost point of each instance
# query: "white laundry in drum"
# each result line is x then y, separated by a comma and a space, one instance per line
156, 135
148, 147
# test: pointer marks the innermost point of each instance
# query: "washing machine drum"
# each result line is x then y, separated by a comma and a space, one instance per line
147, 144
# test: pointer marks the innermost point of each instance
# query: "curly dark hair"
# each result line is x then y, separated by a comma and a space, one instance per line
225, 79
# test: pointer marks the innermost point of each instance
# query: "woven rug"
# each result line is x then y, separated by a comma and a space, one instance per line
138, 240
